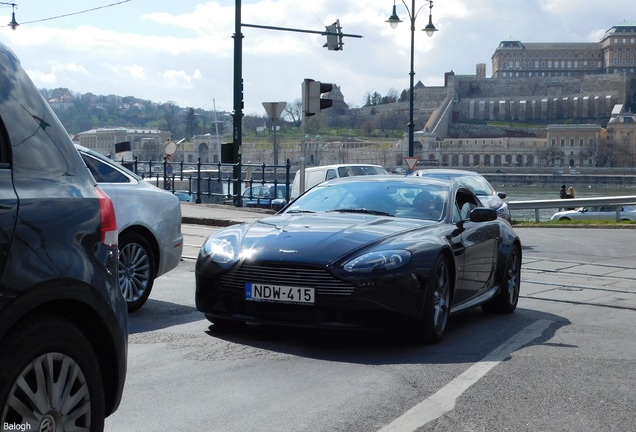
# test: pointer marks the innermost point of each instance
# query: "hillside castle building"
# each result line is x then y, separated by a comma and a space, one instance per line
569, 96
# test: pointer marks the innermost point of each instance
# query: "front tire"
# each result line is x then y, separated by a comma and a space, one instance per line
506, 299
136, 269
432, 326
50, 378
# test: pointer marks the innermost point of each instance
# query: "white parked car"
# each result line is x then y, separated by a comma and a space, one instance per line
321, 173
628, 213
149, 222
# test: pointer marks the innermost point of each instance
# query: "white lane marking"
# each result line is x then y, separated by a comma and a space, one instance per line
444, 400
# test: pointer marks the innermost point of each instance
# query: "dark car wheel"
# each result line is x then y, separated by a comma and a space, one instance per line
50, 378
432, 325
136, 269
505, 301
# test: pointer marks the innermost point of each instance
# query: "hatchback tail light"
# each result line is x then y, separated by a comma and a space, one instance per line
108, 218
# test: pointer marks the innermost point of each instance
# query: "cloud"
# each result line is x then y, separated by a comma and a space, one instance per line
184, 51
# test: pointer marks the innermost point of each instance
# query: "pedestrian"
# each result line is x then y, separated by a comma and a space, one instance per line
563, 192
570, 194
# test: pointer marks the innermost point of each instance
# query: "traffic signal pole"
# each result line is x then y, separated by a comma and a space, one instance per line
237, 115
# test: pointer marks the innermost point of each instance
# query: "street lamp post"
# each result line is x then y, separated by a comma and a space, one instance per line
394, 20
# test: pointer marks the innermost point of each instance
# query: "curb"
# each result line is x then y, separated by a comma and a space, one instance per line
208, 221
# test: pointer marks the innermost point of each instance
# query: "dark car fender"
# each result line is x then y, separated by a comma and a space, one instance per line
92, 313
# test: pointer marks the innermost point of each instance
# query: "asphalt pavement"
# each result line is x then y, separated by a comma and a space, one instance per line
572, 265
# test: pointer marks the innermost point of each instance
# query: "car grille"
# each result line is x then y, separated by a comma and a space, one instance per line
320, 279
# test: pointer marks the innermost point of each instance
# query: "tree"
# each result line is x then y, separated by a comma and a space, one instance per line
391, 96
191, 123
294, 110
376, 99
169, 117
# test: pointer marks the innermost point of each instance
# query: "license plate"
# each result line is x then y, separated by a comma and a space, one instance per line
279, 294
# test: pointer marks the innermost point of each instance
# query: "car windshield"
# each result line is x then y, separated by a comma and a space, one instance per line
478, 184
353, 170
397, 199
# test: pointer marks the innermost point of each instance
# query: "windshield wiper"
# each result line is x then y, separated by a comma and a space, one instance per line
300, 211
361, 210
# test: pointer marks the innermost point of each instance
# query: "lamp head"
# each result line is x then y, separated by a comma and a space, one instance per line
394, 20
429, 29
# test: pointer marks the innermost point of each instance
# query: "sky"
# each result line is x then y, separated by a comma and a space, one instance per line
183, 51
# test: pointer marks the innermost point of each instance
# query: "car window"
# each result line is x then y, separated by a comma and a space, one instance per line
280, 191
395, 199
609, 209
476, 183
464, 204
103, 172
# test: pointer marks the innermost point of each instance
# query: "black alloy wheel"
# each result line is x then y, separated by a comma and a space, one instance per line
432, 325
506, 299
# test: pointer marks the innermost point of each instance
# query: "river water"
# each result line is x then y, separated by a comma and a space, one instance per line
525, 193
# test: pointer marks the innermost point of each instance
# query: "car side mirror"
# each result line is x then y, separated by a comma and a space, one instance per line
501, 195
483, 214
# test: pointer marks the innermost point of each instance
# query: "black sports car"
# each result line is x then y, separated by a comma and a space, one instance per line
370, 251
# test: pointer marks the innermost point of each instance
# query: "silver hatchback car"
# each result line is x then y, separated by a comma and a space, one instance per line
149, 221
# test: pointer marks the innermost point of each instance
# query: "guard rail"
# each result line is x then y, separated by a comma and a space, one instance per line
615, 201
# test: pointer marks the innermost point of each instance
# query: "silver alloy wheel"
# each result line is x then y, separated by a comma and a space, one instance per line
50, 394
134, 271
441, 297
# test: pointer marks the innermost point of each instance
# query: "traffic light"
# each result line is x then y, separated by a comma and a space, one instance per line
334, 37
313, 103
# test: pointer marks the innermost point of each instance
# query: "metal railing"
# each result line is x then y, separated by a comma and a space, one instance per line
214, 182
615, 201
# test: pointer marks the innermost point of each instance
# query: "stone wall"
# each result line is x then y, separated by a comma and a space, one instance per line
545, 99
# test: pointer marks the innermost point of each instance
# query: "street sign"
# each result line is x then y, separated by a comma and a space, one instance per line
411, 162
169, 157
274, 109
170, 147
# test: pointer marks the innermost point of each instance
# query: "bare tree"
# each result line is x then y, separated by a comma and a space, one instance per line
294, 110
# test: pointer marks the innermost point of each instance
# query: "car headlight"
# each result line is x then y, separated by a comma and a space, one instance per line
378, 260
503, 211
219, 249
